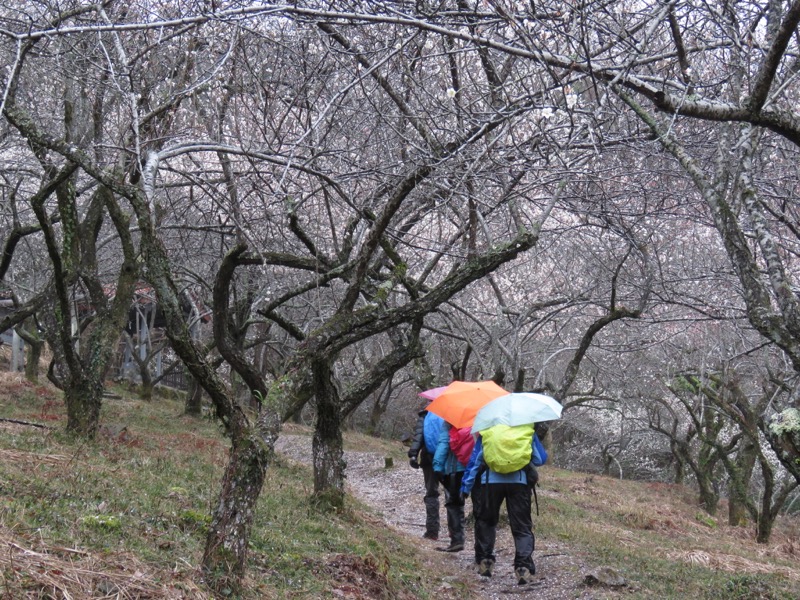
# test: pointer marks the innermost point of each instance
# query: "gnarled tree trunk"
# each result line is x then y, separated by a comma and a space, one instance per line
225, 556
737, 499
84, 398
328, 452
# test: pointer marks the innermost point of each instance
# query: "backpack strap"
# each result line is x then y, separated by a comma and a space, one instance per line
482, 469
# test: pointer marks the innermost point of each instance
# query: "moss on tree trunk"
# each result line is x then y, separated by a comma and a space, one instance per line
84, 399
32, 364
328, 449
737, 497
225, 556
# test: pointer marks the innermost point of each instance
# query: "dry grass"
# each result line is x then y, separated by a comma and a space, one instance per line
31, 460
46, 571
125, 516
652, 528
731, 563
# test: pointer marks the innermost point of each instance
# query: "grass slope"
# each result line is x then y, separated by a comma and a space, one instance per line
126, 517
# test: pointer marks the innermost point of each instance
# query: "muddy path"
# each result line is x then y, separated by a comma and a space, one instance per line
396, 495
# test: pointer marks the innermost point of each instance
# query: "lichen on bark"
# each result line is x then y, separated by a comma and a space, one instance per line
784, 433
786, 423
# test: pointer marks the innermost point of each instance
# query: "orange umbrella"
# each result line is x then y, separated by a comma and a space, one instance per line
461, 400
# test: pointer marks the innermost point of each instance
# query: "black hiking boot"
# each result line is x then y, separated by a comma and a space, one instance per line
453, 547
485, 567
524, 576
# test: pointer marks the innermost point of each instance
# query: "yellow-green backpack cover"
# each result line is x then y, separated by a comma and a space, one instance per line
507, 449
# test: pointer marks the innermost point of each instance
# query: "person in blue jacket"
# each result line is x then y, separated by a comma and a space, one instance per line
420, 455
449, 472
488, 489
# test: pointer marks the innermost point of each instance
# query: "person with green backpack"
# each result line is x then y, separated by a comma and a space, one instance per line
502, 467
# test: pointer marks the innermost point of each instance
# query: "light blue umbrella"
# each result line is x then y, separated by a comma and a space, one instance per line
519, 408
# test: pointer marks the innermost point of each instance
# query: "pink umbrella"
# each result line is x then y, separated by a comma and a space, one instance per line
432, 393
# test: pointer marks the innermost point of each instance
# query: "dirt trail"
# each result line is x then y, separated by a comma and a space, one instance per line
396, 495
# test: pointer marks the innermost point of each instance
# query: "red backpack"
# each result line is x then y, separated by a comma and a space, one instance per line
461, 443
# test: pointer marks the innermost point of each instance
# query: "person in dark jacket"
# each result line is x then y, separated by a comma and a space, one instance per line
489, 489
420, 455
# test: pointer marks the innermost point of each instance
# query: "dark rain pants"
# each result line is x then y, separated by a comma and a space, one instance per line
431, 495
455, 507
486, 501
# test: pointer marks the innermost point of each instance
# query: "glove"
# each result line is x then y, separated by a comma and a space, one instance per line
464, 496
439, 476
413, 462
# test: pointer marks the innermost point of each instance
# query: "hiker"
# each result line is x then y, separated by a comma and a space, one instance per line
420, 455
449, 471
489, 488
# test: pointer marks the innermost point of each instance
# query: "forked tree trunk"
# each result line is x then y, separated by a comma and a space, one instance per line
83, 391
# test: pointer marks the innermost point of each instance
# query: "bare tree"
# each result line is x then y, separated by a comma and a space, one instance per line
351, 238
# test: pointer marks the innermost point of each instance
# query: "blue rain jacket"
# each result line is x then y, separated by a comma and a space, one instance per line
444, 461
431, 428
488, 476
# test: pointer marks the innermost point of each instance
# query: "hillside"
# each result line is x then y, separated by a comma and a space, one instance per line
124, 518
